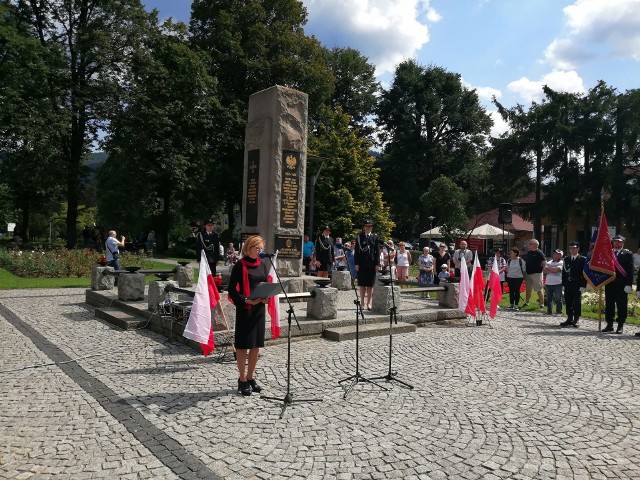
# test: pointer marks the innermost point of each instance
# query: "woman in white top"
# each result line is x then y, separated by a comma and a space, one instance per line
515, 275
426, 268
403, 260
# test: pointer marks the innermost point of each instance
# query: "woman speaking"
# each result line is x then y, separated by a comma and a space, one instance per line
250, 314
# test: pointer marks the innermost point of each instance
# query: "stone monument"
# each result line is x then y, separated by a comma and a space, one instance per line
275, 164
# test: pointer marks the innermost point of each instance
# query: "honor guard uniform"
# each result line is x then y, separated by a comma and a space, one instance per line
208, 240
324, 251
616, 293
574, 283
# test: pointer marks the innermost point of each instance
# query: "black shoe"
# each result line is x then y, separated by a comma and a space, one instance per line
254, 385
608, 328
568, 322
637, 334
575, 324
619, 329
244, 388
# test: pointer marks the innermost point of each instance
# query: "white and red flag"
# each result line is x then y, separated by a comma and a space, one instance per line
466, 295
206, 298
478, 285
496, 288
274, 302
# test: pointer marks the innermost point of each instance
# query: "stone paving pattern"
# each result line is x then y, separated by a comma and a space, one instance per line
525, 399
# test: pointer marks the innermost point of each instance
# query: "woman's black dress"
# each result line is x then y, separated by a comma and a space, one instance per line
249, 323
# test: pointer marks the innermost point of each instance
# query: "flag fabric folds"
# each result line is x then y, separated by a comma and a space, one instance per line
274, 302
600, 267
478, 285
206, 298
465, 297
496, 288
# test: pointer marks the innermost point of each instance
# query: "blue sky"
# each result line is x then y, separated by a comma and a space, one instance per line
507, 48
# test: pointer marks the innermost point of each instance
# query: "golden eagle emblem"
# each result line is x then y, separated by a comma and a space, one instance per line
291, 162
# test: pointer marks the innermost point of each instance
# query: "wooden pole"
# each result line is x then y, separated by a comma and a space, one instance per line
600, 308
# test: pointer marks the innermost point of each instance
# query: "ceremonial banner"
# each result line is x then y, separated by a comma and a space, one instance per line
599, 269
274, 302
496, 288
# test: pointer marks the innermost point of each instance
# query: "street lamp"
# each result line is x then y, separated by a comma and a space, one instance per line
314, 180
431, 218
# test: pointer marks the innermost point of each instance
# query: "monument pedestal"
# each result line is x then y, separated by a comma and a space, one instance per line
158, 295
100, 281
184, 276
324, 306
382, 299
131, 286
341, 280
449, 298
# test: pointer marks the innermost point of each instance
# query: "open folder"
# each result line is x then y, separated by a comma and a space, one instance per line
264, 290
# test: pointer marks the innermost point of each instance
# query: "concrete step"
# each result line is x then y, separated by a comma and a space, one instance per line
340, 334
121, 319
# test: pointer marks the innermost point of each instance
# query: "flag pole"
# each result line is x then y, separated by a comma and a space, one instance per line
600, 308
226, 324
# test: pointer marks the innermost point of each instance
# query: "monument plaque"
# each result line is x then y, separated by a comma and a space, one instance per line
288, 246
252, 187
289, 199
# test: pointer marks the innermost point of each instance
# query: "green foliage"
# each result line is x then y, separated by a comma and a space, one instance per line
347, 192
59, 263
432, 126
446, 201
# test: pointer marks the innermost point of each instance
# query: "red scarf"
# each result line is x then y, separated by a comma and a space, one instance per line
246, 289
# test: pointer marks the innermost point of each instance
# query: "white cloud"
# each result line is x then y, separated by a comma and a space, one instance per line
597, 28
386, 32
558, 80
484, 93
499, 125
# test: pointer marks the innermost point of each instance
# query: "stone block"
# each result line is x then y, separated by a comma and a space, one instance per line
324, 306
383, 300
449, 298
184, 276
100, 281
158, 295
131, 286
341, 280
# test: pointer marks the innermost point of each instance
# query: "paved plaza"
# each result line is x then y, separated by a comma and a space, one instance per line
524, 399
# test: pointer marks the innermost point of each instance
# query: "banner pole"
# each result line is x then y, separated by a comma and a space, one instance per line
600, 308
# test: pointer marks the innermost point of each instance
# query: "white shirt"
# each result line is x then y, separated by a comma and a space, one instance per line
554, 278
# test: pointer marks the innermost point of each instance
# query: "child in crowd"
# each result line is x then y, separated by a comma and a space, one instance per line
444, 274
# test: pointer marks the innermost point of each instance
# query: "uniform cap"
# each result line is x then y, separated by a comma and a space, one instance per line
557, 250
619, 238
574, 244
208, 221
368, 222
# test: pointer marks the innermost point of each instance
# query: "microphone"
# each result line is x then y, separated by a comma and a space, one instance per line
268, 255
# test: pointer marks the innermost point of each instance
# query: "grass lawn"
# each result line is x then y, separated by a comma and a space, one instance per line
10, 281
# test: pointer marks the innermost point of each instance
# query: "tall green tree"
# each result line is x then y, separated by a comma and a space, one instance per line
355, 86
165, 140
95, 39
347, 192
431, 125
29, 165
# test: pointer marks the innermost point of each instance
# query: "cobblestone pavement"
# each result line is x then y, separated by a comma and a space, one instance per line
525, 399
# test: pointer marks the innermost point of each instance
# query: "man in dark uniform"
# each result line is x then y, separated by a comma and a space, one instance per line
324, 257
616, 293
367, 261
574, 284
208, 240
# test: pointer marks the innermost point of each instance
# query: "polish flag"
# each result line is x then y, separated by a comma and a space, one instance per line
274, 302
206, 298
470, 308
496, 288
465, 297
478, 285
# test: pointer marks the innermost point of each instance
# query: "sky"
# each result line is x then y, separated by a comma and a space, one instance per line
503, 48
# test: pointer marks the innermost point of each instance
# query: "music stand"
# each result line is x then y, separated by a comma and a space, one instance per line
357, 377
288, 397
391, 376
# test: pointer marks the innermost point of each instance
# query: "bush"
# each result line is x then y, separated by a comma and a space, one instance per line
58, 263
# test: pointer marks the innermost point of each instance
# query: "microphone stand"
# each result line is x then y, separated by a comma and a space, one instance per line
288, 398
391, 376
357, 377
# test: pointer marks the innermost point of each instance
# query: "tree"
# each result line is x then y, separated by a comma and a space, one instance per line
95, 39
29, 163
165, 138
431, 126
347, 192
447, 202
355, 86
